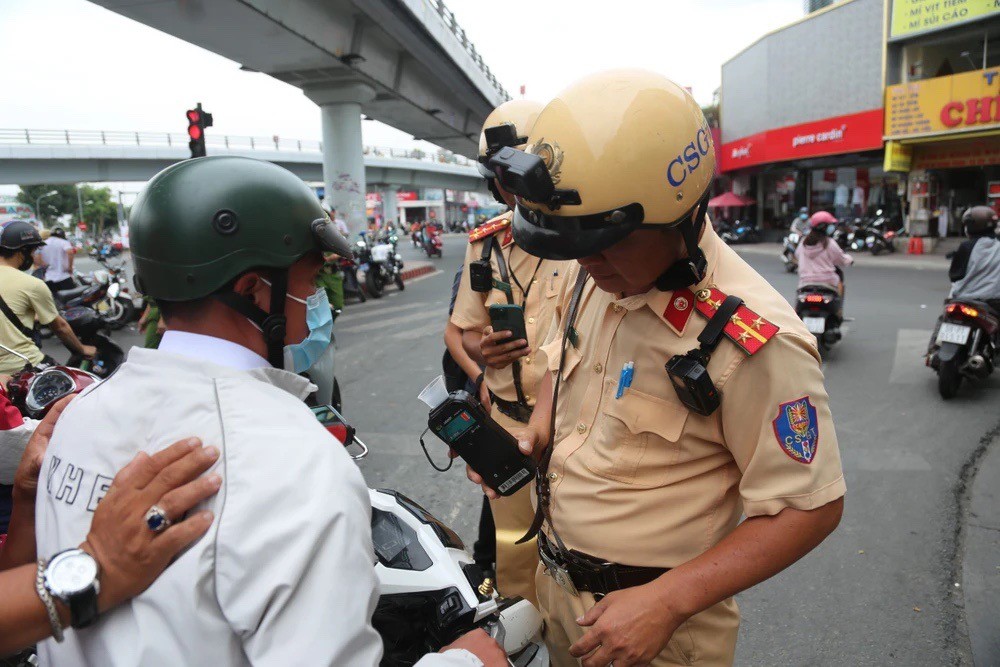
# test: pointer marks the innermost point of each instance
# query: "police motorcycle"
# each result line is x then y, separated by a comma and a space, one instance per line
819, 307
431, 590
381, 263
967, 345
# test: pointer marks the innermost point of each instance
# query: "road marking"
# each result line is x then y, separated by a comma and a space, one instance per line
908, 365
440, 316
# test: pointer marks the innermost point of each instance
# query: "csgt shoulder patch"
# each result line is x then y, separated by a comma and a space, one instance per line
797, 429
490, 228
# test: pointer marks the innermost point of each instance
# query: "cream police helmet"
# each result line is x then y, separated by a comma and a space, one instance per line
511, 121
621, 150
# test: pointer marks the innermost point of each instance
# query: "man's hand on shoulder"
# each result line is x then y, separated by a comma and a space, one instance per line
481, 645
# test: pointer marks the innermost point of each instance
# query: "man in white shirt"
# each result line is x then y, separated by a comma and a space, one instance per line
285, 575
56, 256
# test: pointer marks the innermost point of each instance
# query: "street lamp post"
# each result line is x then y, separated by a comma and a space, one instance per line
38, 203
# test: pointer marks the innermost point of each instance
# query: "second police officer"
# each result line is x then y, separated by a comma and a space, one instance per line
677, 407
497, 271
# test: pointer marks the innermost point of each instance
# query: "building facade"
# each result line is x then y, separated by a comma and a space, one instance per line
812, 113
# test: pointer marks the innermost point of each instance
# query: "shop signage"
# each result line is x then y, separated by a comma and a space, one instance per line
993, 189
964, 102
841, 134
953, 154
406, 195
914, 16
897, 157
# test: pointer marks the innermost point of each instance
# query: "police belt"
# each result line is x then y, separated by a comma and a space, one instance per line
516, 411
597, 576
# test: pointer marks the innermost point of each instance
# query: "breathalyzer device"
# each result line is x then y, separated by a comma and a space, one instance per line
462, 424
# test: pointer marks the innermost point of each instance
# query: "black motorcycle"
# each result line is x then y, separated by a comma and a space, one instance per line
819, 307
91, 330
740, 232
967, 344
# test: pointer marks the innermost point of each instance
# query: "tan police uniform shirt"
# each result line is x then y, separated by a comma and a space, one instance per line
29, 298
543, 280
642, 480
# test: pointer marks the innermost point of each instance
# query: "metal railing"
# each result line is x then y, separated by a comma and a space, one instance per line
179, 139
449, 20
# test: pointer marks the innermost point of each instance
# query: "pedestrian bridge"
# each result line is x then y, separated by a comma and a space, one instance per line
68, 156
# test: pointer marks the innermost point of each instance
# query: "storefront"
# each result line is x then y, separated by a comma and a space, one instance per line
945, 132
834, 164
801, 115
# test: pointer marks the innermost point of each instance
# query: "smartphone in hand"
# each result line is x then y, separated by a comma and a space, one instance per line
508, 317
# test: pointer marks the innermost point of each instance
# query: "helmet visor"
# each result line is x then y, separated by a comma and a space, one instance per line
573, 237
329, 239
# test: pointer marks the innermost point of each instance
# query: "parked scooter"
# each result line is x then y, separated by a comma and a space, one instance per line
819, 307
967, 345
878, 239
741, 232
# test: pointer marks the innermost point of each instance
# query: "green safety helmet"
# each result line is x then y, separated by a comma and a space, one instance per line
201, 223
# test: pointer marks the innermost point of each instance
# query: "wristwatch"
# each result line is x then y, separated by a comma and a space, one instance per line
71, 577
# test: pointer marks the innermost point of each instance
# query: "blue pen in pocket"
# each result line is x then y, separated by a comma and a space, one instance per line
621, 381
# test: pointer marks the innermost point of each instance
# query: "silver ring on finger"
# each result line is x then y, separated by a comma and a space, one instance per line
157, 520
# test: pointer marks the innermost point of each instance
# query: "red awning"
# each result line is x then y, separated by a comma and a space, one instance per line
727, 199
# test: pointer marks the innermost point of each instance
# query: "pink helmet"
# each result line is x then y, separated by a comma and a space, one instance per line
821, 219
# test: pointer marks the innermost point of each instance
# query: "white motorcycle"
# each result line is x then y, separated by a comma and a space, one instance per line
432, 592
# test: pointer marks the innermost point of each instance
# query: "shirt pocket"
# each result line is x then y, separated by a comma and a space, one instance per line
637, 438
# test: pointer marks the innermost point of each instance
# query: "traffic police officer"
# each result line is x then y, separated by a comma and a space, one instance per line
677, 408
497, 271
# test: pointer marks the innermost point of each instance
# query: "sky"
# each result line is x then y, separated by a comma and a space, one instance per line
70, 64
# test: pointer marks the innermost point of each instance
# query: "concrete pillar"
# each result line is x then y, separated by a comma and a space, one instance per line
343, 161
389, 209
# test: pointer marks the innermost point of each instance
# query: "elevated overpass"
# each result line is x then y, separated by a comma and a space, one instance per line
64, 156
406, 63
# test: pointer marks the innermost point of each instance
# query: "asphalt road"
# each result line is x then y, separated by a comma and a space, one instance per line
883, 590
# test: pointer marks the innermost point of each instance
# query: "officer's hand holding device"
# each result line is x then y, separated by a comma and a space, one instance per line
508, 317
462, 423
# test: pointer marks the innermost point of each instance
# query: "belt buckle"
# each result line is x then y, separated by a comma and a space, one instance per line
558, 573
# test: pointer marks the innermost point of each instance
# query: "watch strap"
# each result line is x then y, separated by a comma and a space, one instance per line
83, 607
46, 598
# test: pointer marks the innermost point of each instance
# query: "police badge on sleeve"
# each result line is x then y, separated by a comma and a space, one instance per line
797, 429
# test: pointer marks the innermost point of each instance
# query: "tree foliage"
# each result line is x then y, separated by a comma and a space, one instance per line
99, 209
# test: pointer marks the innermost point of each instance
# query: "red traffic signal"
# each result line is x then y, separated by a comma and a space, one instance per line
198, 120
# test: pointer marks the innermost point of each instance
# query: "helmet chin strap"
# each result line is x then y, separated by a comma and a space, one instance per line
272, 325
689, 270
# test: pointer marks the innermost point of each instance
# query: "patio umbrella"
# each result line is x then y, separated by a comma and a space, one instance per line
728, 199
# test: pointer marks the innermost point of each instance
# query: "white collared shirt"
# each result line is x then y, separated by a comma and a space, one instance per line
283, 577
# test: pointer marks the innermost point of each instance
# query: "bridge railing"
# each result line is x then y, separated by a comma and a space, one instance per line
178, 139
449, 20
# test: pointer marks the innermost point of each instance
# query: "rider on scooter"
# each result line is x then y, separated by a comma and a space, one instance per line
975, 266
820, 259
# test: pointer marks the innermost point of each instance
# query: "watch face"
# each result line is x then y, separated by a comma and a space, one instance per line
71, 572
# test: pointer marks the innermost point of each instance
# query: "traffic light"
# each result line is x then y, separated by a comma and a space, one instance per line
198, 120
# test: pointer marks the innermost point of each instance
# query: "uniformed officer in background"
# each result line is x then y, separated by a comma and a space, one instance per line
677, 407
497, 271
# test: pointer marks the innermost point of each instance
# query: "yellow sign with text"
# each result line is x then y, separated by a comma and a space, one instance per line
967, 102
913, 16
897, 157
